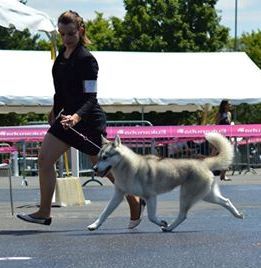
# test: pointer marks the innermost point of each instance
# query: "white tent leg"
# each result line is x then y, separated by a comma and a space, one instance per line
75, 162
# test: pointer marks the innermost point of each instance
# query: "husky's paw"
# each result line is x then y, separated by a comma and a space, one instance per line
165, 229
92, 227
163, 224
241, 216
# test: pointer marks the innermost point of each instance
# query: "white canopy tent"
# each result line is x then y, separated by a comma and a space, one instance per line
135, 81
128, 81
14, 13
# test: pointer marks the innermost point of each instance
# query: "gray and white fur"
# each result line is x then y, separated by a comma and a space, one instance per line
148, 176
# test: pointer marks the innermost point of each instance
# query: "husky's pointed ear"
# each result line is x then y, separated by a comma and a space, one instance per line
117, 140
104, 140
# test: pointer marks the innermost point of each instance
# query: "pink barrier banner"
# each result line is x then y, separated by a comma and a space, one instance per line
36, 133
7, 150
19, 133
149, 132
249, 140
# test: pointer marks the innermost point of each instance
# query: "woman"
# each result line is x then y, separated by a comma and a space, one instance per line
75, 105
224, 117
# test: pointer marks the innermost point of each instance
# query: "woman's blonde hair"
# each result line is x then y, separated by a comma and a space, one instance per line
73, 17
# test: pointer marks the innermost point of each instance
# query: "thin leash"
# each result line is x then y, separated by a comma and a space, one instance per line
85, 138
78, 133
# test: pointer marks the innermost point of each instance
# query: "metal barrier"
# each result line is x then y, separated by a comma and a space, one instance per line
247, 153
165, 141
247, 156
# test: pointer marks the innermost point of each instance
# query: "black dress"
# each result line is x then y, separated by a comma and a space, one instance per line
224, 119
75, 92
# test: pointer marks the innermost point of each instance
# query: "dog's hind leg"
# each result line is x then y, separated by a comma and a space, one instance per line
215, 196
114, 202
183, 211
190, 193
151, 208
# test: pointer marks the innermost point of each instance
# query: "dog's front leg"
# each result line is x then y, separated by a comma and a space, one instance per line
114, 202
151, 208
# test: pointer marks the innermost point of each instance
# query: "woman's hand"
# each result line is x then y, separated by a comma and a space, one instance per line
70, 120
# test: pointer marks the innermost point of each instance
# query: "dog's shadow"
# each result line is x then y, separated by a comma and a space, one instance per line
84, 232
109, 232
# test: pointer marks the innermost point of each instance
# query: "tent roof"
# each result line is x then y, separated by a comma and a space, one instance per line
135, 81
12, 12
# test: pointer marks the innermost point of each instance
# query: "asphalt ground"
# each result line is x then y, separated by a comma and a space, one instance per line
210, 237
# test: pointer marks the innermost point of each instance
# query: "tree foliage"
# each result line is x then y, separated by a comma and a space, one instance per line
251, 44
241, 114
248, 114
10, 38
202, 26
152, 25
14, 119
172, 25
102, 33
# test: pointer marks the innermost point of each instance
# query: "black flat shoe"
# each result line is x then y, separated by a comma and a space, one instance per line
32, 219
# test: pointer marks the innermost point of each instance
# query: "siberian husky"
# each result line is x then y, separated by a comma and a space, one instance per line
148, 176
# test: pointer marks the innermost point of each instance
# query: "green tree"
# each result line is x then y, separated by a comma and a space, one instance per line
202, 28
10, 38
172, 25
251, 44
14, 119
149, 25
102, 34
248, 114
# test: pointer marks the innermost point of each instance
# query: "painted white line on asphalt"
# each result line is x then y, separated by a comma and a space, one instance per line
15, 258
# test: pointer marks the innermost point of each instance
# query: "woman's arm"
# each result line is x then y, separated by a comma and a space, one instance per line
89, 74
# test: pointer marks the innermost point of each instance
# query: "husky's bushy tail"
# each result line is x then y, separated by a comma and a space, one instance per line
225, 151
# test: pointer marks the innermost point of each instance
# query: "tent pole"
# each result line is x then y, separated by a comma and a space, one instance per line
52, 38
205, 114
142, 113
234, 114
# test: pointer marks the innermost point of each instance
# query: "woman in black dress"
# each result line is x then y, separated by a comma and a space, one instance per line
75, 105
224, 117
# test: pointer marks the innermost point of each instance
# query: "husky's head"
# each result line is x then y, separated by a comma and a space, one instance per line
108, 156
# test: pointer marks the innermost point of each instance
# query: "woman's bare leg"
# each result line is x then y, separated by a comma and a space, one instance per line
133, 201
223, 176
51, 149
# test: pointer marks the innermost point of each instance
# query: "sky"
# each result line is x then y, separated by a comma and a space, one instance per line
249, 11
